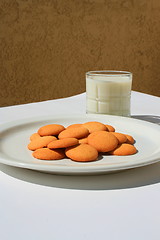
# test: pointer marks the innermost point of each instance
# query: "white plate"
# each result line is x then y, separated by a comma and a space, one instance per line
14, 138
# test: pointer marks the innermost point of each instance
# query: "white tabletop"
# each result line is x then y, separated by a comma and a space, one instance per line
124, 205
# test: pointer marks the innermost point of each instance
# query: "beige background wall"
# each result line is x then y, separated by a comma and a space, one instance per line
46, 46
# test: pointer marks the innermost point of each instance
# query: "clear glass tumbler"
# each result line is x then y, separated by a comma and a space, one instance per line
108, 92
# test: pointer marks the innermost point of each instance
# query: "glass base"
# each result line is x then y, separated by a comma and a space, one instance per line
122, 114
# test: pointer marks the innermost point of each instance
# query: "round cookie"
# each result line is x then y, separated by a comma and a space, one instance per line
124, 149
103, 141
40, 142
120, 136
110, 128
95, 133
94, 126
130, 139
83, 140
75, 132
63, 143
50, 129
48, 154
82, 153
74, 125
34, 136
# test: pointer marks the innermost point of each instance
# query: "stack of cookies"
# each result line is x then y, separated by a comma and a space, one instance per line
81, 142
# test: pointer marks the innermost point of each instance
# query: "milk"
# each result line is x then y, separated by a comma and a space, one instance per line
108, 93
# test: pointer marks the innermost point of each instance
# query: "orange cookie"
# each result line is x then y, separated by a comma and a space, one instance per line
77, 132
40, 142
34, 136
103, 141
48, 154
51, 129
75, 125
120, 136
83, 140
63, 143
94, 126
130, 139
95, 133
124, 149
110, 128
82, 153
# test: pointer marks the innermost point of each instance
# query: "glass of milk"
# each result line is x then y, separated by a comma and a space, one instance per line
108, 92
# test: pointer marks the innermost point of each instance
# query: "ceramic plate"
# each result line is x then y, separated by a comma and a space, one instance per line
14, 138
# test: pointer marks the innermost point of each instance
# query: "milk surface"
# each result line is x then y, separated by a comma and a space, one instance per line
108, 94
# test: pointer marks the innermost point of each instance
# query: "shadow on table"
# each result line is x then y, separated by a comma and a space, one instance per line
132, 178
121, 180
148, 118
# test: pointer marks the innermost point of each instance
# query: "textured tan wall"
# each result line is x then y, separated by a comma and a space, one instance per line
46, 46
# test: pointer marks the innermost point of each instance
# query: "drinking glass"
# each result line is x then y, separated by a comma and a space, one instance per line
108, 92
